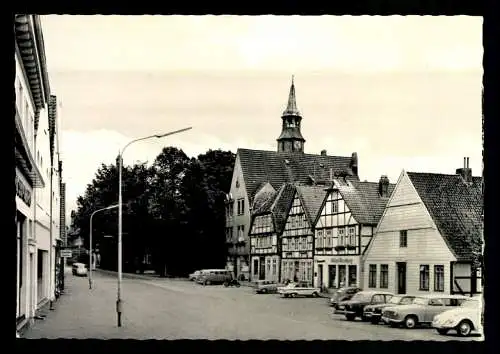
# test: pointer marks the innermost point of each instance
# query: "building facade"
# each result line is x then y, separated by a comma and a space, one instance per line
268, 220
343, 229
297, 241
35, 276
254, 168
428, 236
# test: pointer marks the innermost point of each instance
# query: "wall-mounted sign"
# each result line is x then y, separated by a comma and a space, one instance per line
341, 260
66, 253
23, 191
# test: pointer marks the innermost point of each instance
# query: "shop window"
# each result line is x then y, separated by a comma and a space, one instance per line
342, 276
352, 275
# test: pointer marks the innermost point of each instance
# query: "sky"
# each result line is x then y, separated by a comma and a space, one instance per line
402, 92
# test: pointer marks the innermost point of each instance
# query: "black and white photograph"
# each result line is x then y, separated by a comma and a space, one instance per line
244, 177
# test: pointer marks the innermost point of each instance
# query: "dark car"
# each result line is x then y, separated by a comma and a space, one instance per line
343, 294
374, 312
354, 307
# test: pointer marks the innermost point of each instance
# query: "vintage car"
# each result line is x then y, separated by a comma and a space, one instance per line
422, 310
343, 294
193, 276
465, 319
298, 289
79, 269
266, 287
354, 307
214, 276
374, 312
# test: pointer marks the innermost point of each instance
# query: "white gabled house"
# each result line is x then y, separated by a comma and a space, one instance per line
429, 236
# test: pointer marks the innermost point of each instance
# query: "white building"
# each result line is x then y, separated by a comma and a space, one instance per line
34, 190
428, 235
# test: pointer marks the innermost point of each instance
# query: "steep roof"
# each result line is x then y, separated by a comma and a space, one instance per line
364, 200
282, 205
260, 166
456, 208
263, 202
312, 199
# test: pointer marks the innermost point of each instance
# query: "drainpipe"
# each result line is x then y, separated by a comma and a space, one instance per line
33, 279
51, 271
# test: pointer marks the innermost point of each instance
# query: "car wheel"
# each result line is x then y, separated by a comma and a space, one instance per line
374, 320
293, 295
285, 295
263, 291
350, 317
208, 282
442, 331
464, 328
364, 319
411, 321
315, 294
226, 284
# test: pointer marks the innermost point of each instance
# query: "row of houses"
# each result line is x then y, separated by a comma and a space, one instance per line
298, 216
39, 188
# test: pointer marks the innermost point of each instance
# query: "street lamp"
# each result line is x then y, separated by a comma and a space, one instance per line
90, 248
119, 308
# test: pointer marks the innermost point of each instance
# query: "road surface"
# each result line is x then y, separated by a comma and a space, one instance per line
157, 308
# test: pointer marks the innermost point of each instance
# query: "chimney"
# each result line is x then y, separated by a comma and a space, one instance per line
323, 152
466, 171
354, 163
383, 186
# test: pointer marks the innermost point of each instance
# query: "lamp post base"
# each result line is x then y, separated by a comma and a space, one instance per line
119, 312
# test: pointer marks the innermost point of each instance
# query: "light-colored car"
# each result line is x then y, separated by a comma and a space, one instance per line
298, 289
422, 310
193, 276
374, 312
79, 269
266, 287
465, 319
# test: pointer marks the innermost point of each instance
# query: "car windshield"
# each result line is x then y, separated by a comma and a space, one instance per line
361, 297
420, 301
395, 300
470, 304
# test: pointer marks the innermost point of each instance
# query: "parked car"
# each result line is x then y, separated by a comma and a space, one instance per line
354, 307
79, 269
298, 289
214, 276
193, 276
374, 312
266, 287
422, 310
343, 294
465, 319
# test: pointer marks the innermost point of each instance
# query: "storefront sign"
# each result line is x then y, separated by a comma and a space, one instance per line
22, 191
341, 260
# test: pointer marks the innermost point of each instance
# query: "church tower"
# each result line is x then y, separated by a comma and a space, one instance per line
290, 139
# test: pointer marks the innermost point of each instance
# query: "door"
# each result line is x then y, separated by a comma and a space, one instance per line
296, 271
435, 307
331, 275
320, 276
262, 268
401, 271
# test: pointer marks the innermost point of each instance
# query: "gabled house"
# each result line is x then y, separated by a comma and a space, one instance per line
268, 220
344, 227
255, 168
430, 235
297, 240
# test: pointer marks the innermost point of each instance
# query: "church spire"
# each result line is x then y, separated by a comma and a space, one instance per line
291, 108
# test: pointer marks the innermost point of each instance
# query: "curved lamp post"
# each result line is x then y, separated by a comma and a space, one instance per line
90, 247
119, 305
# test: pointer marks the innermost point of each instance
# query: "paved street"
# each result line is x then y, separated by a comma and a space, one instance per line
178, 309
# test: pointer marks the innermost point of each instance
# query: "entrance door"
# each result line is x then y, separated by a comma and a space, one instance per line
320, 275
401, 277
262, 268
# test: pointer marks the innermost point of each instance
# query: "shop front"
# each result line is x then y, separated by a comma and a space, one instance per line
337, 272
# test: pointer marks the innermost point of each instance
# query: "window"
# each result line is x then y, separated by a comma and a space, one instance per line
329, 240
424, 277
378, 299
352, 235
241, 233
241, 206
439, 278
320, 241
275, 270
335, 206
341, 237
372, 276
268, 266
384, 276
255, 266
436, 302
403, 238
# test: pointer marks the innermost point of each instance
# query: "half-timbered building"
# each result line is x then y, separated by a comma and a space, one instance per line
255, 168
344, 227
297, 241
268, 219
429, 238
